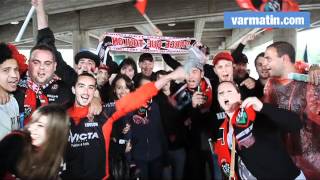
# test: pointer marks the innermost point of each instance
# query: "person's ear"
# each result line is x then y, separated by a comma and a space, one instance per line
55, 66
95, 70
73, 90
202, 74
214, 69
286, 58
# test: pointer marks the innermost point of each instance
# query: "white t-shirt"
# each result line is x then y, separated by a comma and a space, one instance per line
9, 117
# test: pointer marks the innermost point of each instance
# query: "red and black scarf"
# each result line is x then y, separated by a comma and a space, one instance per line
206, 89
34, 97
221, 146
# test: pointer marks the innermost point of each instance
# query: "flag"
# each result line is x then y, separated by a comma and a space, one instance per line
269, 5
305, 54
140, 6
246, 4
279, 5
290, 5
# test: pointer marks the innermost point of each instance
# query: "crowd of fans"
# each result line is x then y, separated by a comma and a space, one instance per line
107, 121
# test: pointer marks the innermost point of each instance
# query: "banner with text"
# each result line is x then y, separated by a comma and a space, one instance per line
144, 44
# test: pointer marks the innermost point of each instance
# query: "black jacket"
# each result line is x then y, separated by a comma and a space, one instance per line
172, 120
11, 150
267, 158
63, 70
148, 139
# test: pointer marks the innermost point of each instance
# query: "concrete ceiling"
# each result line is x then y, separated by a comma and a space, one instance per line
202, 19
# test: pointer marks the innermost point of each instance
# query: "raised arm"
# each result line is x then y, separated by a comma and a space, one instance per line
286, 120
139, 97
45, 35
239, 50
170, 61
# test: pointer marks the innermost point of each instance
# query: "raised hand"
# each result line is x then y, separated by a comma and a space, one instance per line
247, 38
249, 83
198, 99
254, 102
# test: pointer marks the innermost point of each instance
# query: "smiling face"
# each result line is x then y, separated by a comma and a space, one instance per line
146, 67
84, 90
121, 88
102, 77
38, 131
86, 65
228, 96
224, 70
240, 70
127, 70
9, 75
261, 69
41, 66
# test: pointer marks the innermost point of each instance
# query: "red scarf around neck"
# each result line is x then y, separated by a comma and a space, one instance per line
33, 93
77, 113
221, 147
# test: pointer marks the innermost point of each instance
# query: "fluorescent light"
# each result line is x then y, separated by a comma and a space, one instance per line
14, 22
171, 24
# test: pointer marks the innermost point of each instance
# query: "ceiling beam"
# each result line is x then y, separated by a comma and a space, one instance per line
16, 10
114, 17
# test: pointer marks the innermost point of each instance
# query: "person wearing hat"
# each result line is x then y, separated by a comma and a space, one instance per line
223, 67
146, 64
85, 61
194, 99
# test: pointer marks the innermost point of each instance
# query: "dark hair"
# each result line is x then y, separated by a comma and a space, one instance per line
44, 47
129, 84
239, 57
146, 56
284, 48
86, 74
128, 62
142, 77
206, 48
259, 55
161, 72
5, 53
231, 82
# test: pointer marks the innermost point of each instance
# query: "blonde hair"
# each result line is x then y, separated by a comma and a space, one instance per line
44, 162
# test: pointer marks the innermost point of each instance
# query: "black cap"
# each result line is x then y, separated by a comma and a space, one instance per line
88, 55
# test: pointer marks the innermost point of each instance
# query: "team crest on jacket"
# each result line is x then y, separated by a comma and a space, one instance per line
55, 87
225, 168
